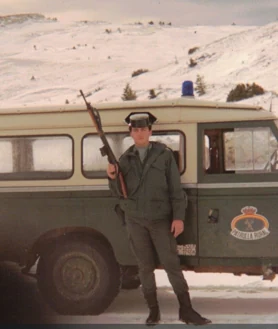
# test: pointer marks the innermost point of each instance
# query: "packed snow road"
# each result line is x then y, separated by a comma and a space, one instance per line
20, 302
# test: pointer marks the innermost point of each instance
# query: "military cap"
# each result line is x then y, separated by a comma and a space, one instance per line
140, 119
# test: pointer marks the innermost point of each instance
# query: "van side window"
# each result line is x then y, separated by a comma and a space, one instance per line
36, 157
240, 150
94, 164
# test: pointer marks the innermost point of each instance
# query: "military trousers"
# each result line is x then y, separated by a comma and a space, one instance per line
149, 238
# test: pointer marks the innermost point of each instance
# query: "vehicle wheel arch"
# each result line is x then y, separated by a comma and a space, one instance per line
51, 238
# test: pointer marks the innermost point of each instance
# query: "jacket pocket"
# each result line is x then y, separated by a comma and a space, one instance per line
128, 205
158, 181
158, 165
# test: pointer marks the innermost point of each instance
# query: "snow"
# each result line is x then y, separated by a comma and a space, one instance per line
223, 298
64, 57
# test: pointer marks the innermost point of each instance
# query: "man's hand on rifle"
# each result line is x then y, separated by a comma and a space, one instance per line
112, 171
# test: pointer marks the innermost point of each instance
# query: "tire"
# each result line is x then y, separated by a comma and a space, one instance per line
79, 277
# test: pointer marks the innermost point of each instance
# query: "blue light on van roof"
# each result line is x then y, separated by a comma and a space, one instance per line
187, 88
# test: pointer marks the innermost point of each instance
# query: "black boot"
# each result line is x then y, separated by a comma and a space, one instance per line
154, 315
186, 312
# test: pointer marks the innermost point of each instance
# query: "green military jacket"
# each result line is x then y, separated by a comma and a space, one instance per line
153, 188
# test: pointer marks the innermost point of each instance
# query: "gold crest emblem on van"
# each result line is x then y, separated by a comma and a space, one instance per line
249, 225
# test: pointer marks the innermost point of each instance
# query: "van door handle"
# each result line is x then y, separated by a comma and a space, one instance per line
213, 216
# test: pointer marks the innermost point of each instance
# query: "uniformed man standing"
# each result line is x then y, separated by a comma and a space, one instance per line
154, 213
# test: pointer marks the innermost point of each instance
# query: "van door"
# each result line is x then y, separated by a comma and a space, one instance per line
237, 190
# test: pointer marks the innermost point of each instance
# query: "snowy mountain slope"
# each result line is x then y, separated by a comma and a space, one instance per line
99, 57
248, 57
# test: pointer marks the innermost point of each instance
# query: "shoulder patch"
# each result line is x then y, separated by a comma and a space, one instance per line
159, 145
169, 149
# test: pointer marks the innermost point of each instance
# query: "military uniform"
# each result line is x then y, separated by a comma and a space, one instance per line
154, 199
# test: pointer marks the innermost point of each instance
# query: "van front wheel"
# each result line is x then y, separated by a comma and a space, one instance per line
79, 277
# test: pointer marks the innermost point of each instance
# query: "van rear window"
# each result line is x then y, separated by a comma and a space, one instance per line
36, 157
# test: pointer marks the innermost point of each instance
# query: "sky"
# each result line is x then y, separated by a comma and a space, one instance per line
182, 12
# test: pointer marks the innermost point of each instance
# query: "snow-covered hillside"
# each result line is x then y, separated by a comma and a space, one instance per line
44, 61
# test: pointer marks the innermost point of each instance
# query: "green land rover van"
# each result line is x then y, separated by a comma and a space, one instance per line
57, 212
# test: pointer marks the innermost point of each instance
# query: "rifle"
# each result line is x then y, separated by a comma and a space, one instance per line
105, 149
